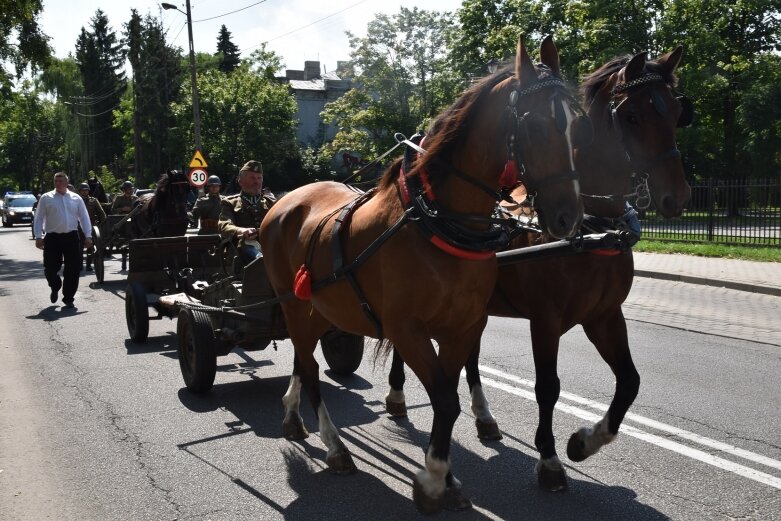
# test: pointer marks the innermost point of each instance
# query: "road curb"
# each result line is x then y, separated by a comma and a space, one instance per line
739, 286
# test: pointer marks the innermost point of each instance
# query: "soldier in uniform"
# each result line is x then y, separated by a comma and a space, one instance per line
123, 203
242, 213
96, 216
208, 207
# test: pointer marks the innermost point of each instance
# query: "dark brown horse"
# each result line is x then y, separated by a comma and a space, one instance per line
630, 101
164, 212
414, 259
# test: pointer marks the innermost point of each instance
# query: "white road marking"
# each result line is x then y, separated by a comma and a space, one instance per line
659, 441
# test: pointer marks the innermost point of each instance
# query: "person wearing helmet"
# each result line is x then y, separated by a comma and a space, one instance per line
242, 213
207, 208
124, 202
96, 216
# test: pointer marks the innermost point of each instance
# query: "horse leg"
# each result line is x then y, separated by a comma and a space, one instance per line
306, 375
435, 487
551, 475
395, 402
609, 336
487, 428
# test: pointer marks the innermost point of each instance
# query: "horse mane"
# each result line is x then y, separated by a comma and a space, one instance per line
594, 81
450, 126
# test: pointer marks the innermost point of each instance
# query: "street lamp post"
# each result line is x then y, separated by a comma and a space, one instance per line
196, 107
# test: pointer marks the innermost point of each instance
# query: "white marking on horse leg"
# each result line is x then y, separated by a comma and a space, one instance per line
480, 407
432, 478
597, 436
328, 432
553, 464
395, 396
292, 397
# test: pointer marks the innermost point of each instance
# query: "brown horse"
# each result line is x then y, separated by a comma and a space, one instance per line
420, 249
164, 212
635, 114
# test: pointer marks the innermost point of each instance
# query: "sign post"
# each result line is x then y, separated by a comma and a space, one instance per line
198, 174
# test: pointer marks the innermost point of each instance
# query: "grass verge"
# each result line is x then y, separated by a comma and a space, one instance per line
765, 254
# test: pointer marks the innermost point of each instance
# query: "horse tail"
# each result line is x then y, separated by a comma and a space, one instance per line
382, 349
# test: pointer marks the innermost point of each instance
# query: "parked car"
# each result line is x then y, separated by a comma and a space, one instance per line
18, 208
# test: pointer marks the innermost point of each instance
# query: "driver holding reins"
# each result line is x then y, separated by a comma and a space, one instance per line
241, 214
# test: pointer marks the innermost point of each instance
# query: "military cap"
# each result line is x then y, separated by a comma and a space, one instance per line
213, 180
83, 186
127, 184
252, 166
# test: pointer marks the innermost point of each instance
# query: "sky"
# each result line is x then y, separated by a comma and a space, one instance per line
297, 30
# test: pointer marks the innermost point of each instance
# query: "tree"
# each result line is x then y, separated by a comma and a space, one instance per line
244, 115
158, 73
401, 79
100, 58
228, 51
19, 18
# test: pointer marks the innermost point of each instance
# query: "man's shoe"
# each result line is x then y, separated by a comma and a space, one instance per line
53, 296
68, 303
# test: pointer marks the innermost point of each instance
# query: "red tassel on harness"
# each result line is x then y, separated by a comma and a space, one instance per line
510, 174
302, 285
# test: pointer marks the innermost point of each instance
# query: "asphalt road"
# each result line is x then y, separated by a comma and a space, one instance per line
94, 427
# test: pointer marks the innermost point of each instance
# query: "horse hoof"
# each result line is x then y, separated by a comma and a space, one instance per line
396, 409
293, 429
576, 446
426, 504
454, 499
341, 463
487, 431
552, 480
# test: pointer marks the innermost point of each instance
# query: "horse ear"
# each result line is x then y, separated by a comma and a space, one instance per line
549, 55
635, 67
670, 61
524, 68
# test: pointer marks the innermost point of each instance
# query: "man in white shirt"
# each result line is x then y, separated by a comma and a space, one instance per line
59, 214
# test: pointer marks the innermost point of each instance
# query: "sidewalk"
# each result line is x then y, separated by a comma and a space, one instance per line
756, 277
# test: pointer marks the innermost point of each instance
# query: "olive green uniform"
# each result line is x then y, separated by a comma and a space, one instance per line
122, 201
96, 213
208, 209
238, 211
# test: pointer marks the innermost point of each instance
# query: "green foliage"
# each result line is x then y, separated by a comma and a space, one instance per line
710, 250
244, 116
401, 79
29, 46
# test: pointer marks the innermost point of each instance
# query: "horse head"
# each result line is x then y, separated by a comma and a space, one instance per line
516, 124
632, 102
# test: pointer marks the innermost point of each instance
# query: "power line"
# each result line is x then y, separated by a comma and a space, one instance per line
231, 12
305, 26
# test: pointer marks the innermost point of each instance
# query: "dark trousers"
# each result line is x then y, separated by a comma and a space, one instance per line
59, 247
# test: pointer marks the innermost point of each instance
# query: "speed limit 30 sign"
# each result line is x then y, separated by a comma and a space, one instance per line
198, 177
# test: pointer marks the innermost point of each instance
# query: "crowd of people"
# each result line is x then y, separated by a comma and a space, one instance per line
65, 217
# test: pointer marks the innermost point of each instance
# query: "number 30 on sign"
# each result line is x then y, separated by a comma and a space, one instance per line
198, 177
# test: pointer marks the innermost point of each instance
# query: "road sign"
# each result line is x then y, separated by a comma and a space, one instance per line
198, 177
198, 160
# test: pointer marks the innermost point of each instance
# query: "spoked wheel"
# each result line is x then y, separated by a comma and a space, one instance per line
98, 256
343, 352
228, 254
136, 312
197, 350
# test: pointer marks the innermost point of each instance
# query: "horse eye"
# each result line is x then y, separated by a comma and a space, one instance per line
632, 118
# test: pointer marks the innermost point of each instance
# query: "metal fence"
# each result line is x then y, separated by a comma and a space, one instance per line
725, 211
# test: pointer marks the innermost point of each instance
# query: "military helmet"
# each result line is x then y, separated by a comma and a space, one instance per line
127, 184
83, 186
252, 166
213, 180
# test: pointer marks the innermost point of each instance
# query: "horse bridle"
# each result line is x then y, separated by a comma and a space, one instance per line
643, 168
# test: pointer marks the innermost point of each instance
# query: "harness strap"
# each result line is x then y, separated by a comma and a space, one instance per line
338, 255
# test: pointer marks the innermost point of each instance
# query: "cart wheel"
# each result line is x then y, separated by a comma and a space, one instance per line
197, 350
136, 312
343, 352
